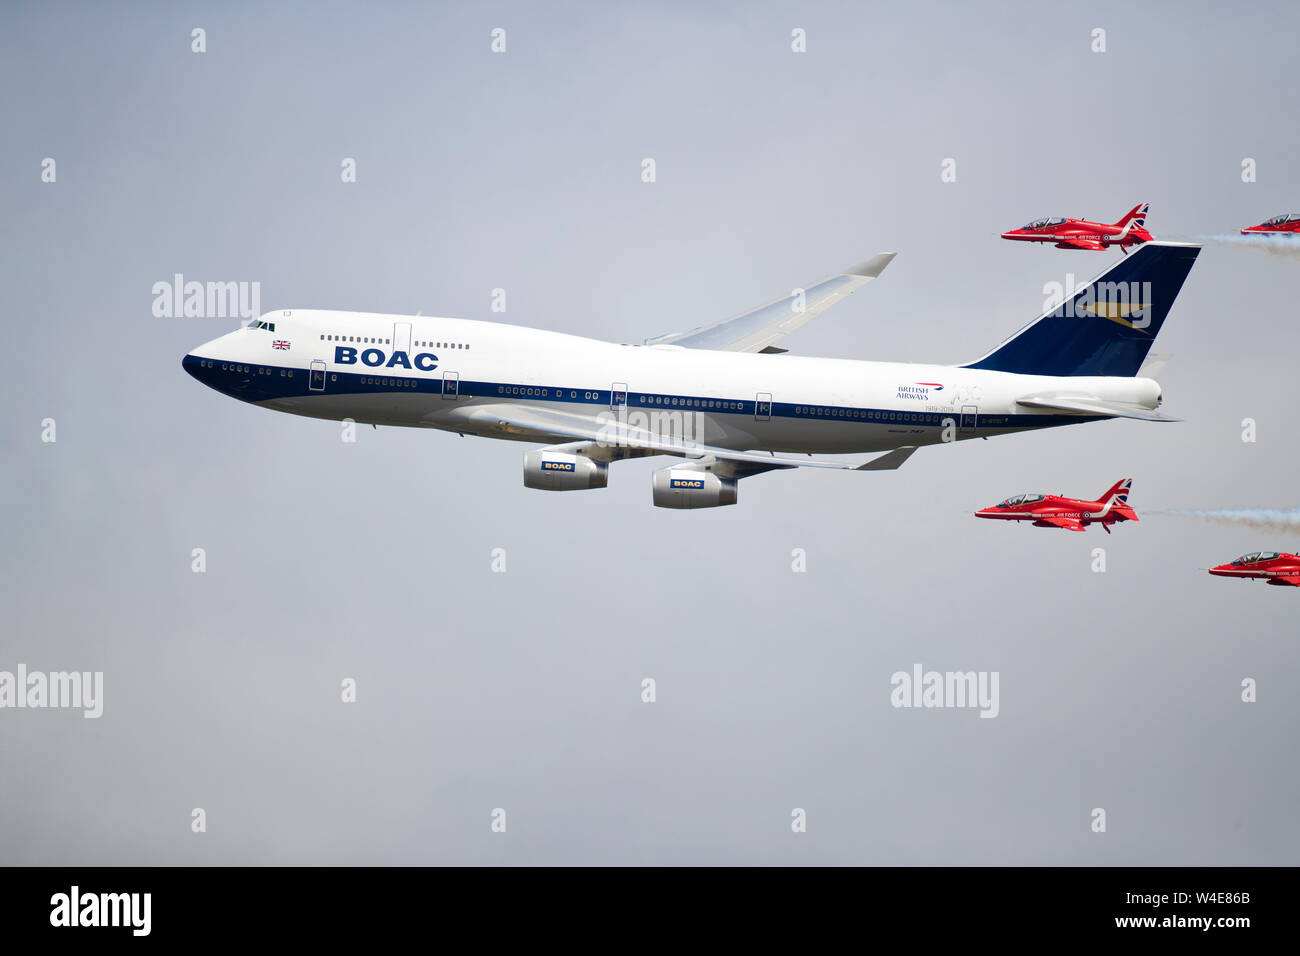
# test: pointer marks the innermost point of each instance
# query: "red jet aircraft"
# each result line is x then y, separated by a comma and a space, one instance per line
1082, 234
1277, 226
1051, 511
1274, 567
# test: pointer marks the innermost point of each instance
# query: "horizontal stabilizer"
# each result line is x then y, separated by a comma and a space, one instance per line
1095, 406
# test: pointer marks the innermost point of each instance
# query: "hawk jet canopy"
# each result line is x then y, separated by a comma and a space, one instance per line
1257, 557
1042, 223
1021, 500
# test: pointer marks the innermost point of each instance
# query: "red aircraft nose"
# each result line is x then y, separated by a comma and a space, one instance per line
989, 513
1224, 570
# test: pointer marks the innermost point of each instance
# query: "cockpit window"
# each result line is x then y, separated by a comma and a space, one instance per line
1040, 223
259, 324
1267, 556
1247, 558
1021, 500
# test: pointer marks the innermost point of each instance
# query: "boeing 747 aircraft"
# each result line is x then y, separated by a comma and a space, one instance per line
723, 399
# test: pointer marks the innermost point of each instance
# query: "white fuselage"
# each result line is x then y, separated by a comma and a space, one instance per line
435, 372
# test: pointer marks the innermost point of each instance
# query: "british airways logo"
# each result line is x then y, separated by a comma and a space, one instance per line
919, 391
346, 355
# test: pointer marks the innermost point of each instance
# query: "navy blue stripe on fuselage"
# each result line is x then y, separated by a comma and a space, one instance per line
255, 383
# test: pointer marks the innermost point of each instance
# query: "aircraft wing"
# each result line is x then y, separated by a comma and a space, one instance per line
616, 433
1069, 524
1093, 245
758, 329
1093, 406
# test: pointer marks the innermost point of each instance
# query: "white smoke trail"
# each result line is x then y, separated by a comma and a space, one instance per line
1265, 519
1286, 246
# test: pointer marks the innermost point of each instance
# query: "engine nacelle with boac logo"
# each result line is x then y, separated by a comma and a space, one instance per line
678, 487
562, 471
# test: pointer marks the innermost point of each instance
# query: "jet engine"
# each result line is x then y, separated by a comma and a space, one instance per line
553, 470
686, 487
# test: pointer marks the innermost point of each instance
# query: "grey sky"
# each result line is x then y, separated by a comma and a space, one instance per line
522, 690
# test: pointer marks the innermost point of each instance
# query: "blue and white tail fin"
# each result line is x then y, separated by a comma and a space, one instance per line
1105, 327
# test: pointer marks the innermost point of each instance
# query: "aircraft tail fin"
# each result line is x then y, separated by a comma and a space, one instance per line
1137, 215
1105, 327
1119, 491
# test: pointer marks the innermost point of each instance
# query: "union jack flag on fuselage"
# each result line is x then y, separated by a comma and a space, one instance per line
280, 344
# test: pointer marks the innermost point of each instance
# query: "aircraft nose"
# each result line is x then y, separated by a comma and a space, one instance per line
193, 365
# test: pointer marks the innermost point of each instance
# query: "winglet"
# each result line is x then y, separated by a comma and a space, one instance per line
888, 461
873, 266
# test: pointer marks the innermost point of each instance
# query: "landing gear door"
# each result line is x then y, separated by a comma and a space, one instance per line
450, 384
316, 378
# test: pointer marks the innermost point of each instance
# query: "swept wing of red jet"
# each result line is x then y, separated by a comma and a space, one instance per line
1072, 514
1286, 225
1276, 567
1083, 234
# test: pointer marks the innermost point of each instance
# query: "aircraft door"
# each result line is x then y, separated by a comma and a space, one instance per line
402, 337
618, 395
450, 385
763, 407
316, 378
969, 418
